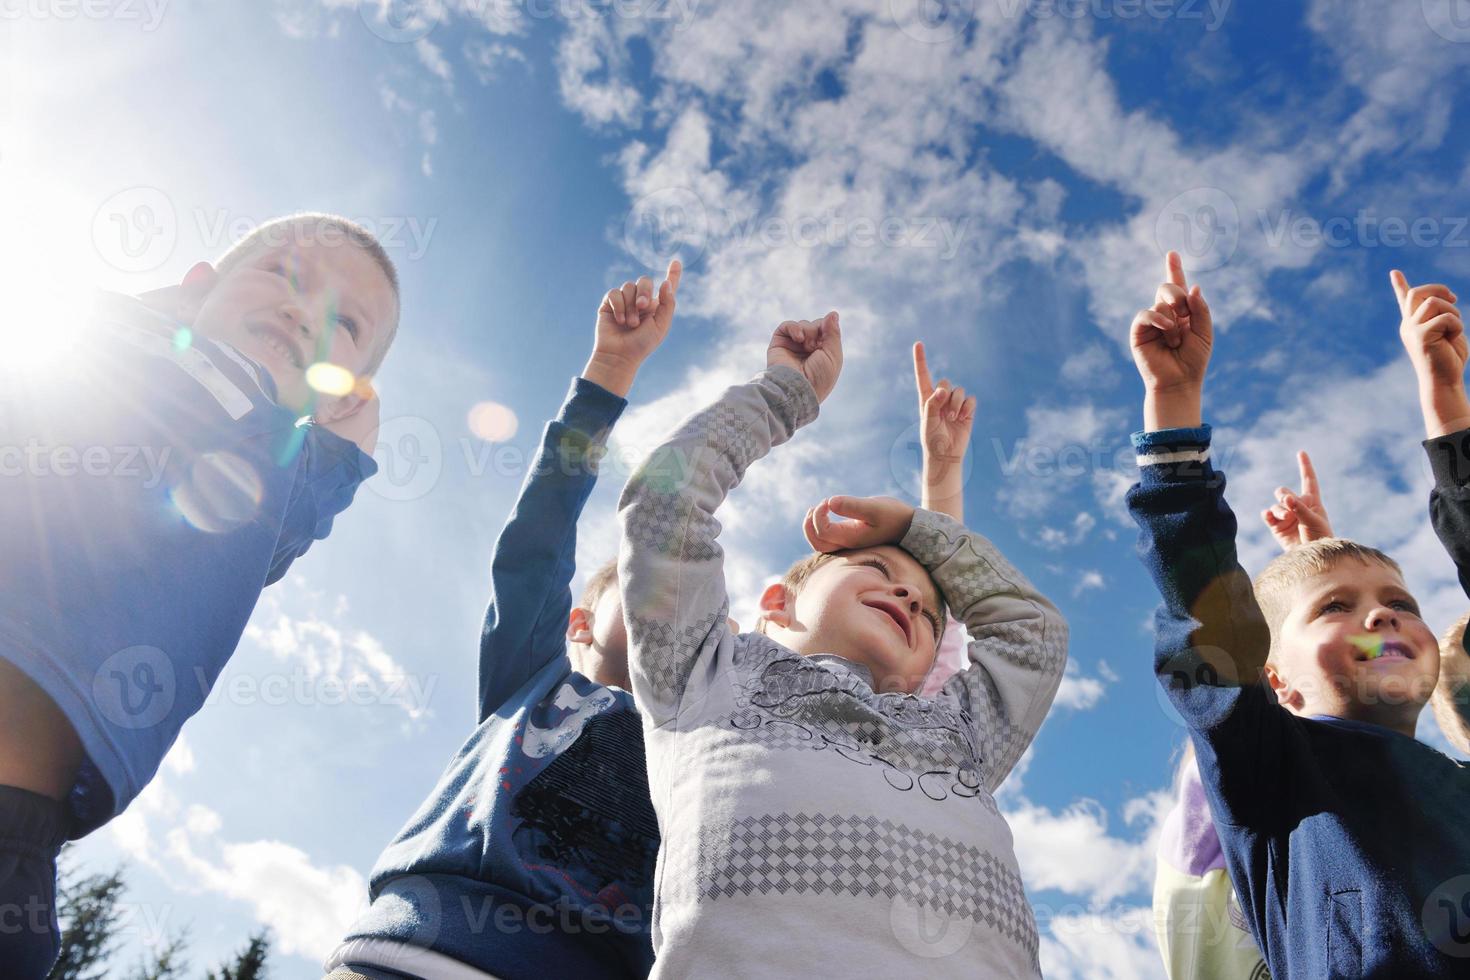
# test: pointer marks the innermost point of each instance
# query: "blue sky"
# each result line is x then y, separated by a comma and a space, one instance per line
998, 180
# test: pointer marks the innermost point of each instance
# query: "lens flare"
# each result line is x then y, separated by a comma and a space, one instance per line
220, 493
330, 379
493, 422
1369, 643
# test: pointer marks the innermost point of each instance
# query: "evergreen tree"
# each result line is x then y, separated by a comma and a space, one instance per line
87, 905
250, 963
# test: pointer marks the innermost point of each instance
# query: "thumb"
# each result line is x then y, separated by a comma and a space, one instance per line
852, 508
1200, 321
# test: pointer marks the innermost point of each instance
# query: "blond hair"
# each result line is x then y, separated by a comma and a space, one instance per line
1275, 586
1447, 712
325, 229
599, 582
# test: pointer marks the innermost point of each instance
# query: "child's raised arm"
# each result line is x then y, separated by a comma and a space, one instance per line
1433, 333
1300, 517
946, 417
535, 556
1171, 344
671, 567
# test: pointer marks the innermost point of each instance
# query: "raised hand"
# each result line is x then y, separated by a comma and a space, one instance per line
631, 322
1432, 331
946, 418
1297, 518
871, 521
360, 424
1171, 343
813, 347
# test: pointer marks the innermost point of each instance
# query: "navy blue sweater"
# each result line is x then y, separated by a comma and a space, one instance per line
1346, 841
533, 856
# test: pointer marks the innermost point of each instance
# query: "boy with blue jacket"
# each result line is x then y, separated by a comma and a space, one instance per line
533, 856
1343, 835
169, 461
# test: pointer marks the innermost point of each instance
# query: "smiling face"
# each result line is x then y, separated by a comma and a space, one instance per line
877, 607
1352, 645
291, 305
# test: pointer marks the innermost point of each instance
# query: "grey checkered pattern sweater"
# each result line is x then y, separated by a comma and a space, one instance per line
810, 826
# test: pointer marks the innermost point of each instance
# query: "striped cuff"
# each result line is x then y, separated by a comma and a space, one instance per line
1173, 454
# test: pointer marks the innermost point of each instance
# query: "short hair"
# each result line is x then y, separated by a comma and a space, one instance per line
1446, 711
326, 229
1273, 587
599, 582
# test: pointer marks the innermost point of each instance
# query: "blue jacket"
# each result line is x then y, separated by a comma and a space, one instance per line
152, 488
1346, 841
533, 856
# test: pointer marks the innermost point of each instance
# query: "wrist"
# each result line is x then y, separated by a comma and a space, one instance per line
1172, 408
1446, 407
612, 371
942, 485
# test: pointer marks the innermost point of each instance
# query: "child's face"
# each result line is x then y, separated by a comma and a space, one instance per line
609, 634
877, 607
1353, 646
290, 306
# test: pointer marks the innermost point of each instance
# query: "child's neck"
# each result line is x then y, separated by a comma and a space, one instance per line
603, 669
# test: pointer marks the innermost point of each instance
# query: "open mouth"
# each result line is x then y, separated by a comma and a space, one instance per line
1372, 647
894, 613
279, 341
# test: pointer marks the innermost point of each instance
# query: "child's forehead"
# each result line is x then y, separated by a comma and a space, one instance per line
1350, 574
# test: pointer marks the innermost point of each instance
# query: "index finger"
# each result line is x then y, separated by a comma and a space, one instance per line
922, 379
1174, 270
675, 273
1400, 286
1309, 475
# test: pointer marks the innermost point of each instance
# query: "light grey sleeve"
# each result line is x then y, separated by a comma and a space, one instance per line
1018, 639
670, 566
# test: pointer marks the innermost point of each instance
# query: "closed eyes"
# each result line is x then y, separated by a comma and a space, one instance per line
882, 566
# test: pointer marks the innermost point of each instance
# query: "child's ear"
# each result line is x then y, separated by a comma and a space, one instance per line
579, 626
196, 286
1285, 695
778, 605
348, 405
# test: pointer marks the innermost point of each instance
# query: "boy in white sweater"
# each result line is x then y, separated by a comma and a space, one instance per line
817, 816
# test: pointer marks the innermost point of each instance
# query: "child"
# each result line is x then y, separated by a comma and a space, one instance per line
533, 856
158, 481
1341, 832
817, 818
1201, 930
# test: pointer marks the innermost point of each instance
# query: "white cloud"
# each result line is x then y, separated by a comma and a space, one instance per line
1089, 579
1072, 852
1118, 944
432, 58
1079, 692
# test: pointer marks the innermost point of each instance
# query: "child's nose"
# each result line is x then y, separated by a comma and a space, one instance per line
1381, 617
908, 595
